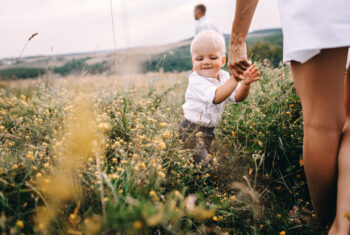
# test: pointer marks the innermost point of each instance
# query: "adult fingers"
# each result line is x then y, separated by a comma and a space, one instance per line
234, 73
246, 63
242, 67
237, 69
239, 77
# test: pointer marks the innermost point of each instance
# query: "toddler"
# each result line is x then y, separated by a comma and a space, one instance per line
209, 89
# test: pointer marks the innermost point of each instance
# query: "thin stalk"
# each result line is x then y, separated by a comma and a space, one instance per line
101, 185
114, 40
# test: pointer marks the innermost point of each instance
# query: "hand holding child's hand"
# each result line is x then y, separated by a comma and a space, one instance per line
250, 75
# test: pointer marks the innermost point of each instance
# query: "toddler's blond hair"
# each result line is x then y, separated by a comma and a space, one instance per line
209, 37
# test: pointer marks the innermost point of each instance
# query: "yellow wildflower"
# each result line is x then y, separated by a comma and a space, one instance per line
162, 145
124, 161
199, 133
103, 126
166, 134
19, 223
116, 144
135, 155
114, 176
301, 162
163, 124
30, 155
138, 224
161, 174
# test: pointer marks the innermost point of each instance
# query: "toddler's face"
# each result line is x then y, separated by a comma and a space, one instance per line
207, 61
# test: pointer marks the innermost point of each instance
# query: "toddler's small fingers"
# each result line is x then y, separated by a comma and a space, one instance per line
256, 74
252, 67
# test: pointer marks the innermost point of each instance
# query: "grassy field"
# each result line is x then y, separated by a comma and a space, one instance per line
100, 155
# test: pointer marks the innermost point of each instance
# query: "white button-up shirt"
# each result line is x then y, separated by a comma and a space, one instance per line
205, 24
199, 107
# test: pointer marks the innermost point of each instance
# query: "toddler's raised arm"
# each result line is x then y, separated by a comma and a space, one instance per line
225, 90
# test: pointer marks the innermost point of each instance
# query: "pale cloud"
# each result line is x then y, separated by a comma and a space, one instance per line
84, 25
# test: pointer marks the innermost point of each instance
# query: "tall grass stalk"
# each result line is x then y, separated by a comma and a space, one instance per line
25, 46
114, 39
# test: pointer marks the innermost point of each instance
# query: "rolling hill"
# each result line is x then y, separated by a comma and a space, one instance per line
169, 58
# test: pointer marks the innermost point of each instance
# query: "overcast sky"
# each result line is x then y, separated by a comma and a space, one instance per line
67, 26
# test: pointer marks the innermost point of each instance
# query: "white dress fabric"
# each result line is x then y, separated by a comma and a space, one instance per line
199, 107
205, 24
312, 25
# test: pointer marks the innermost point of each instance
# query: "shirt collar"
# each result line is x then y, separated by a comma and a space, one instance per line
202, 19
209, 78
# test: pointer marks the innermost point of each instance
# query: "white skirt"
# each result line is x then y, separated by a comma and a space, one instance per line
312, 25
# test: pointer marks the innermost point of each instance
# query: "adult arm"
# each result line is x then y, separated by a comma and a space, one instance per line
347, 93
238, 61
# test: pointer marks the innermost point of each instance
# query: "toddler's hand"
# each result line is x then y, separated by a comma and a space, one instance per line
250, 75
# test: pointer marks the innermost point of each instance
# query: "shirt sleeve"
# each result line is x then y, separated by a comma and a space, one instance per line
202, 89
232, 97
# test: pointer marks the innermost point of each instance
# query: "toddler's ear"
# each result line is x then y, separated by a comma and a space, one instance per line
223, 61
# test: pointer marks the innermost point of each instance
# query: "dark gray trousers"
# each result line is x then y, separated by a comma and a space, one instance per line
196, 137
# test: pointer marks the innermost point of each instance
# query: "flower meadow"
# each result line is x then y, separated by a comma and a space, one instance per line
101, 155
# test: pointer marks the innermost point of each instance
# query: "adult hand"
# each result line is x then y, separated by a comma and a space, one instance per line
237, 59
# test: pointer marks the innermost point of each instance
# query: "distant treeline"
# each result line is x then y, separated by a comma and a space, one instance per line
78, 66
176, 60
21, 73
179, 59
73, 66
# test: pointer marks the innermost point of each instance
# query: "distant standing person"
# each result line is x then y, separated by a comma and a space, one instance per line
203, 22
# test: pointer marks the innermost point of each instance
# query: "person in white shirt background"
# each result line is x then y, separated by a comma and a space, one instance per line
203, 22
209, 89
316, 39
